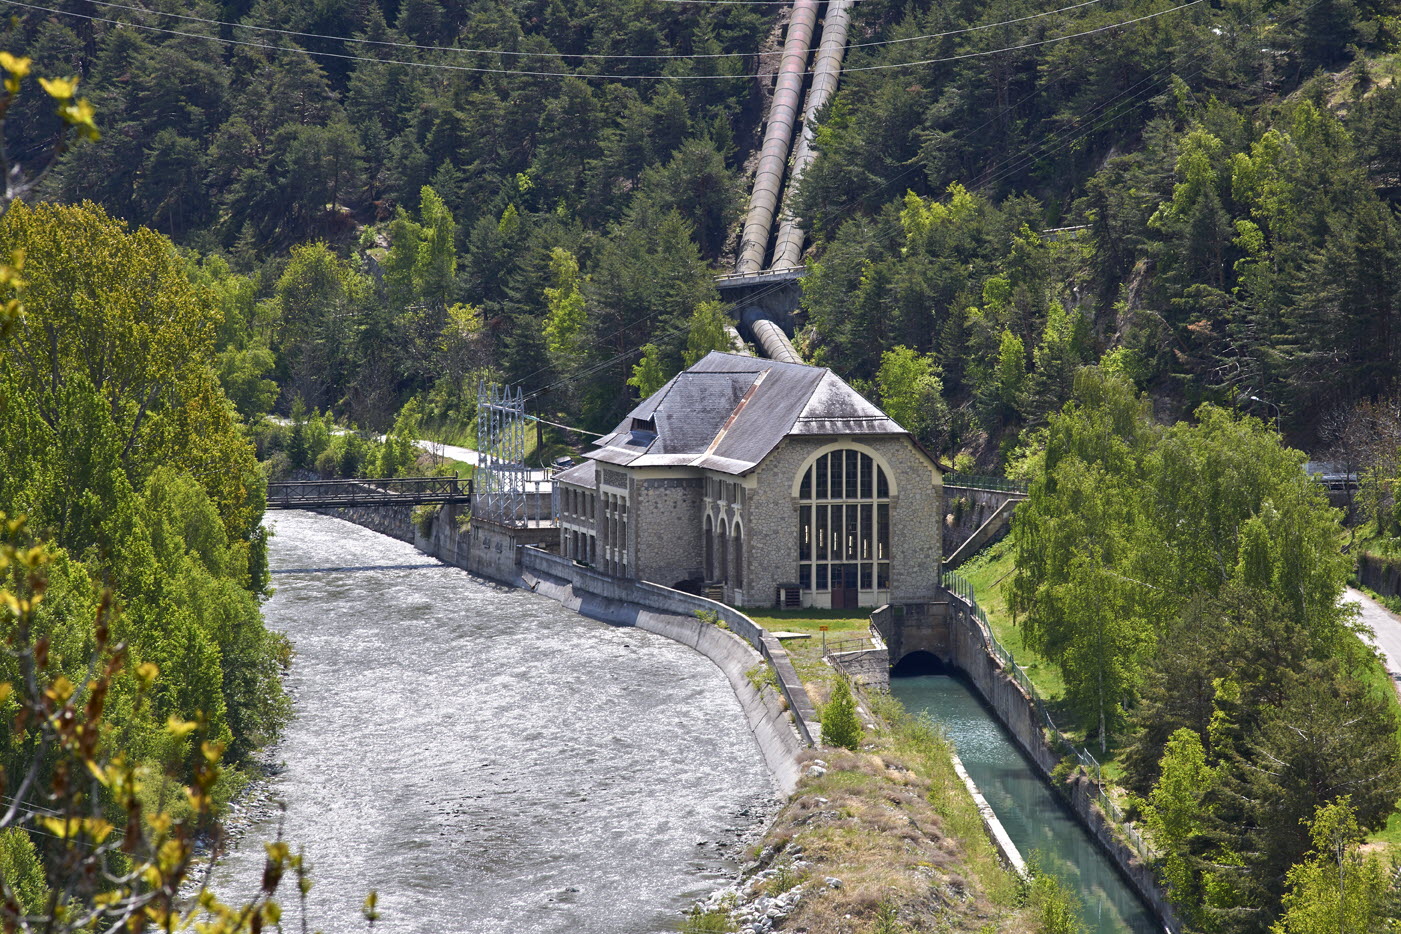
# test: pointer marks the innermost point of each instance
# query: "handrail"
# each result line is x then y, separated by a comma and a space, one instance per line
796, 270
961, 587
368, 491
984, 482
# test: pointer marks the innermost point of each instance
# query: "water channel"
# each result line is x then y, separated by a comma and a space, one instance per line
486, 760
1035, 819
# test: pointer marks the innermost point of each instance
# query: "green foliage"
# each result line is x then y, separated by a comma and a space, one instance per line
649, 374
1174, 812
1055, 907
841, 726
911, 392
399, 453
1128, 523
22, 871
1337, 888
706, 333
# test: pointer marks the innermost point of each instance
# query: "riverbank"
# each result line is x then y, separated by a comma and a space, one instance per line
884, 839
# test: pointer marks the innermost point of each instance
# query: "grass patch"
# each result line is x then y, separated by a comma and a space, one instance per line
990, 573
897, 826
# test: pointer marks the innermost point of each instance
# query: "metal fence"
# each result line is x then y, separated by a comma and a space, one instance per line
975, 481
391, 491
962, 588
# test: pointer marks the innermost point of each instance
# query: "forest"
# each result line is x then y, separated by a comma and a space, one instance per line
1104, 246
400, 195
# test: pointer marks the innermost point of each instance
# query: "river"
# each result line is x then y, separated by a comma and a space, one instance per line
1035, 819
486, 760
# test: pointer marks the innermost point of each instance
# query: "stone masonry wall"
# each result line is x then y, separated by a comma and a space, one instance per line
771, 520
665, 525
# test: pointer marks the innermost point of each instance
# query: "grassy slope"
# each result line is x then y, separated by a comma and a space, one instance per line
990, 573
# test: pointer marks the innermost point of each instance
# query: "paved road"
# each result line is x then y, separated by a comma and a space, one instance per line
469, 456
1386, 628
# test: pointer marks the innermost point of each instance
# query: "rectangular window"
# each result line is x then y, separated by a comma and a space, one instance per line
822, 576
883, 531
866, 533
866, 477
865, 577
851, 513
805, 533
883, 576
882, 486
805, 576
822, 538
821, 491
851, 459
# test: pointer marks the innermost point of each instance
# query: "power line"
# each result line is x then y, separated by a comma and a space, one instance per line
1026, 45
440, 66
554, 54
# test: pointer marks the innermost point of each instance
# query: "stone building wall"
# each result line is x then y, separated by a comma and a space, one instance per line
666, 529
771, 519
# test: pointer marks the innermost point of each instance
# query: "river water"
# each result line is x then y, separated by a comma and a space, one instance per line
1035, 819
486, 760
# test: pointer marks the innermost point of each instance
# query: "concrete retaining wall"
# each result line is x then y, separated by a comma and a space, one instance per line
394, 521
596, 587
967, 509
765, 711
1380, 573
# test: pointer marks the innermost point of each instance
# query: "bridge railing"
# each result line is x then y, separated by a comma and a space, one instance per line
975, 481
293, 494
962, 588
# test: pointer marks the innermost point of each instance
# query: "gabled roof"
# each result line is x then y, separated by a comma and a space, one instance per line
729, 411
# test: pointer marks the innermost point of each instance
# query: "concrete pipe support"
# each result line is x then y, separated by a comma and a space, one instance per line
778, 137
826, 72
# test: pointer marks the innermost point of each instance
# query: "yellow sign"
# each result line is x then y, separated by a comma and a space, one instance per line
821, 628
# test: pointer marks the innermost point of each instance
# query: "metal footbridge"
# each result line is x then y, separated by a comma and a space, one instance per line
390, 491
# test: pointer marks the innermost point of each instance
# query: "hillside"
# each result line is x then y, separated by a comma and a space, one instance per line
1229, 172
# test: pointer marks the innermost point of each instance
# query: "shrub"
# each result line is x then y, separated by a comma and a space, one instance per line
840, 724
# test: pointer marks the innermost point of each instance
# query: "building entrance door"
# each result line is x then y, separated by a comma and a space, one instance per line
845, 596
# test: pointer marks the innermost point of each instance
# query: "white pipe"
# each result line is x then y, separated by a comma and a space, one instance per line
778, 137
789, 250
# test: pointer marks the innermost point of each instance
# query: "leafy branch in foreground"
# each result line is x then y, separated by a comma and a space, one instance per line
84, 850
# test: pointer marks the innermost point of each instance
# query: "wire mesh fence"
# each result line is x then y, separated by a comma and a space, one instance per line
959, 586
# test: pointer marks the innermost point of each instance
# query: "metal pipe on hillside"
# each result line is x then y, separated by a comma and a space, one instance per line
778, 137
826, 72
774, 342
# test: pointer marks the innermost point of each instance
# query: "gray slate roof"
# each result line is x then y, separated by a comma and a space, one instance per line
579, 475
729, 411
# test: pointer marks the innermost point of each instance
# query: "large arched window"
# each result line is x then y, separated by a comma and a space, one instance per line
722, 567
844, 527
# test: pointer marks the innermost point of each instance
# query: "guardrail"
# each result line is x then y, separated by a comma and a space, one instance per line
390, 491
962, 588
975, 481
778, 272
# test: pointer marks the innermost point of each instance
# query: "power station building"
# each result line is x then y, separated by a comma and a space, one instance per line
759, 483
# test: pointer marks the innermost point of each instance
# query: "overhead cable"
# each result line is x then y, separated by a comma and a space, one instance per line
388, 43
442, 66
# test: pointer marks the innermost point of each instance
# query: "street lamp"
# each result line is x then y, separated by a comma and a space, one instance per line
1248, 396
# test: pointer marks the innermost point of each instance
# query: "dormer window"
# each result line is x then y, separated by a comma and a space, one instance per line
644, 424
